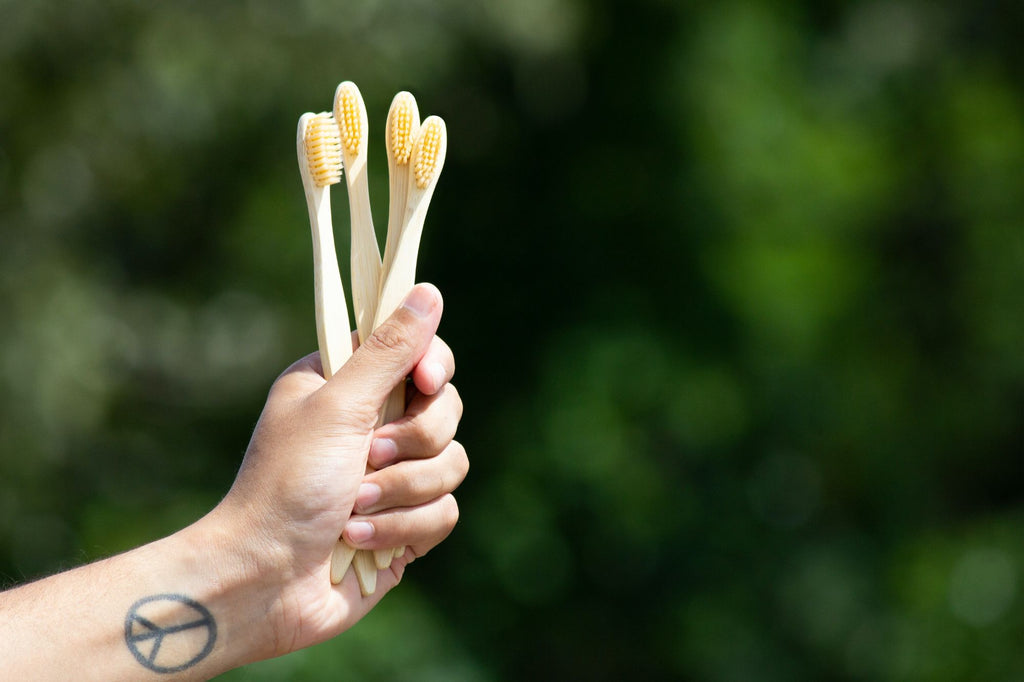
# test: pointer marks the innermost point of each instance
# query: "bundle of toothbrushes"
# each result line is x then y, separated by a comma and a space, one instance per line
334, 145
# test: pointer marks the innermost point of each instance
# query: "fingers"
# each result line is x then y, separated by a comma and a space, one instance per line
419, 510
414, 482
435, 369
429, 424
390, 353
420, 528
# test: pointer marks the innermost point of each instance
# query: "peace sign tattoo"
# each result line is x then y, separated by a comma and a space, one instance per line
168, 633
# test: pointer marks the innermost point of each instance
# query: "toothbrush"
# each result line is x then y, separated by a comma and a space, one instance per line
350, 113
403, 124
425, 164
353, 126
400, 134
319, 150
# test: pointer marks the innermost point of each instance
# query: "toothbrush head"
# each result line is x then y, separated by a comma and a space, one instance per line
429, 151
403, 121
323, 149
350, 112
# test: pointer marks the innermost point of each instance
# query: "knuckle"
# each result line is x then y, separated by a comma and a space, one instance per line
446, 355
456, 399
455, 472
449, 511
437, 432
287, 385
432, 440
461, 460
388, 338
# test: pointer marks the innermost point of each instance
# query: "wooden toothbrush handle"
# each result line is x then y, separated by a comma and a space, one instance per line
365, 567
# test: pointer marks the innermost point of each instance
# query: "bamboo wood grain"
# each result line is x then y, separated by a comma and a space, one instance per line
350, 113
427, 161
353, 124
403, 124
334, 335
415, 158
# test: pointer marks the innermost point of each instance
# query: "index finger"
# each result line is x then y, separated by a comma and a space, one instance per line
435, 369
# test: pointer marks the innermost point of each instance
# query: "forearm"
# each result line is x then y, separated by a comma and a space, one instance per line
186, 607
251, 580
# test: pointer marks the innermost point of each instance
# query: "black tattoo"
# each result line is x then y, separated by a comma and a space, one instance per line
168, 633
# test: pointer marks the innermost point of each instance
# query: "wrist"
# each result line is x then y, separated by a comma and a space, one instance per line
187, 607
237, 577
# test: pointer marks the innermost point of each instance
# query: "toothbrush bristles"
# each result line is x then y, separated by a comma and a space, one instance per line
428, 146
323, 149
402, 115
350, 120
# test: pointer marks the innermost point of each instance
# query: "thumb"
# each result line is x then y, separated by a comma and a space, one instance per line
389, 354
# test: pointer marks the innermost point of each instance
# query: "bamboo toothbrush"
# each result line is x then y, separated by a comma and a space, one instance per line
400, 134
403, 124
353, 126
425, 164
350, 113
319, 150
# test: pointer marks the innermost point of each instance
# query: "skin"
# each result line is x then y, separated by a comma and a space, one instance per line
250, 580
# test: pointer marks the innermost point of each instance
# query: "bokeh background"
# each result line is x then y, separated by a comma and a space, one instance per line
735, 290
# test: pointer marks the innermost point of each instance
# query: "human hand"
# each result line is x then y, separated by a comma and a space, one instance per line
304, 473
251, 579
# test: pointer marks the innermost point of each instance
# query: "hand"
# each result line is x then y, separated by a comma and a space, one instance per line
251, 579
304, 472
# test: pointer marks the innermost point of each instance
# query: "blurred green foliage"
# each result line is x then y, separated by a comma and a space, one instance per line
735, 291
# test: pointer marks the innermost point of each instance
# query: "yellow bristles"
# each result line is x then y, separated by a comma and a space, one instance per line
350, 116
428, 146
403, 116
323, 150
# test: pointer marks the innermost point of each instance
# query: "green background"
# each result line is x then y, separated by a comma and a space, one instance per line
735, 290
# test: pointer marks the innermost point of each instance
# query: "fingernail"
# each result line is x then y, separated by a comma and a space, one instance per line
359, 531
420, 301
382, 451
368, 495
